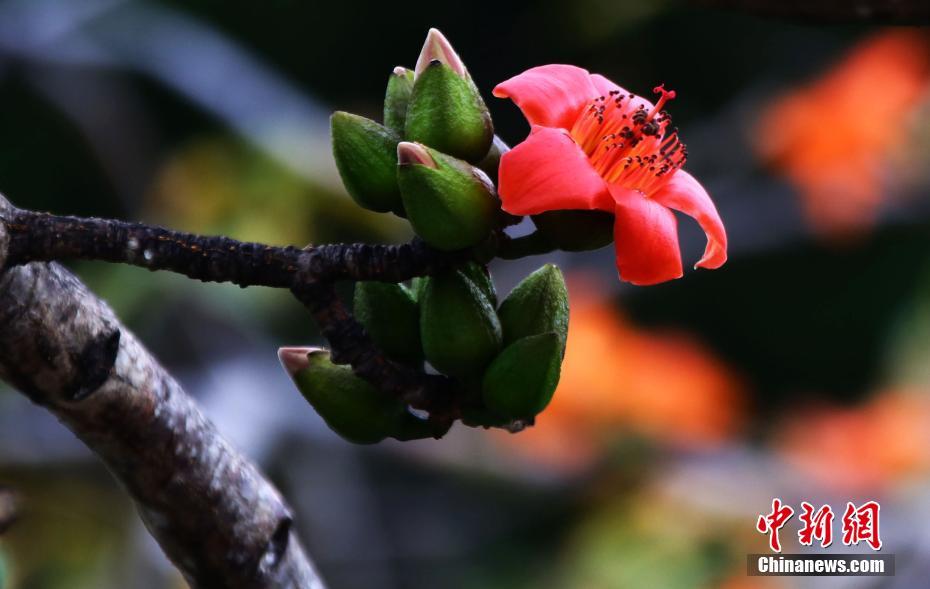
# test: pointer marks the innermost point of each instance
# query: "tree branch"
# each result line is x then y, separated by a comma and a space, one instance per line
37, 236
309, 273
210, 509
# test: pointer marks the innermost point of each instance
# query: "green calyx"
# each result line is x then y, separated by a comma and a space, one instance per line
352, 407
460, 331
391, 315
539, 304
520, 381
481, 276
366, 156
450, 204
446, 112
576, 231
396, 99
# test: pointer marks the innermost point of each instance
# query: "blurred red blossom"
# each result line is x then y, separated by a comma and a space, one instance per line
834, 137
595, 146
860, 448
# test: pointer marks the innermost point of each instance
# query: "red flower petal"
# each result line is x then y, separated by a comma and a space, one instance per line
684, 193
645, 238
605, 87
550, 95
549, 172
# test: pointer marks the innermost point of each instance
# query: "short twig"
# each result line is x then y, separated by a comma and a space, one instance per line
41, 237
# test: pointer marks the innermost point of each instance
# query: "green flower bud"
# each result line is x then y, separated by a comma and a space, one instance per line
391, 316
350, 406
520, 382
366, 156
450, 204
446, 110
576, 231
396, 98
492, 161
459, 328
481, 276
539, 304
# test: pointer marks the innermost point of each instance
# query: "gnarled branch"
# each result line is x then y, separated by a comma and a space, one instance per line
212, 512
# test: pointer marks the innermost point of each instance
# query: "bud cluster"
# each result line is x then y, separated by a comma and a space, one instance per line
507, 356
434, 161
421, 163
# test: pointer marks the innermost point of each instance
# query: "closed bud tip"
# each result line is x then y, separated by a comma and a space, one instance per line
438, 48
413, 153
294, 359
400, 71
446, 111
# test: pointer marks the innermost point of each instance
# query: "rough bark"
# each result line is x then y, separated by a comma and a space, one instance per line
36, 236
210, 509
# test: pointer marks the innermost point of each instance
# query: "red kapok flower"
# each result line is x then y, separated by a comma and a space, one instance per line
595, 146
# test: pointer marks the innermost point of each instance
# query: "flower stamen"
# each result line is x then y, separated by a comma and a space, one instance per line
626, 143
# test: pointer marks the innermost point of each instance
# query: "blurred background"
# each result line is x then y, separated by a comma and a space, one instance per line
800, 370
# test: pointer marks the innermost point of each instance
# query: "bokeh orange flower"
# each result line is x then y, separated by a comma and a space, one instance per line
619, 379
860, 448
834, 138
